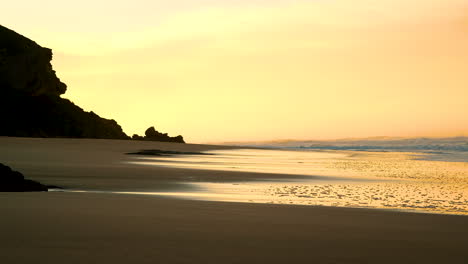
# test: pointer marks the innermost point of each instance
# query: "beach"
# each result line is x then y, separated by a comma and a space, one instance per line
74, 227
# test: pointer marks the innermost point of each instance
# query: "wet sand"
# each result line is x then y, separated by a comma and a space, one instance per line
109, 228
94, 164
383, 180
61, 227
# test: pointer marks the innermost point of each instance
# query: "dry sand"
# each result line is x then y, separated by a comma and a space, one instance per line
117, 228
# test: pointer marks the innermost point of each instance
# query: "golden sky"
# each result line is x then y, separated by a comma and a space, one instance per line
260, 70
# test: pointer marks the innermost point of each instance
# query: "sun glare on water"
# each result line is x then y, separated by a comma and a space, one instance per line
385, 180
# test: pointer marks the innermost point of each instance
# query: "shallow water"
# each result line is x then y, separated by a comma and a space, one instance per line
384, 180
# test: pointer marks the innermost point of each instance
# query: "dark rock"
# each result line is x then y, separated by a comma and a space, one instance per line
25, 66
158, 152
30, 102
13, 181
137, 137
152, 135
179, 139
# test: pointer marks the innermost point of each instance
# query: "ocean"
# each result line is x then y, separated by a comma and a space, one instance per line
430, 178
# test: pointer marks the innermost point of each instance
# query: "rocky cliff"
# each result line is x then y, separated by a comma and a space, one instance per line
25, 66
30, 102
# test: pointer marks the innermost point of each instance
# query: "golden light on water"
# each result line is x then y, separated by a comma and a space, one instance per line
384, 180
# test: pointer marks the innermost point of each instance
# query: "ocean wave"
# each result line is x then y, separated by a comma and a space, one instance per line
445, 149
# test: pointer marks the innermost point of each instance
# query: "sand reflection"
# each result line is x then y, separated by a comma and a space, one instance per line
262, 161
386, 180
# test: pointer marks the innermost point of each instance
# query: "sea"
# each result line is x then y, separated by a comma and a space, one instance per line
421, 175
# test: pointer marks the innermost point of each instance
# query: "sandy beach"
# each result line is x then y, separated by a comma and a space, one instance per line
59, 227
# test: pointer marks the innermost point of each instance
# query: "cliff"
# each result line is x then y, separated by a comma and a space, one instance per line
25, 67
30, 102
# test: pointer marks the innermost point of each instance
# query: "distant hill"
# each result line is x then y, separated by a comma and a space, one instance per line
30, 102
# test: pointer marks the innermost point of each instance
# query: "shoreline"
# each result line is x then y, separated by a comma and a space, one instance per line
205, 197
122, 228
100, 165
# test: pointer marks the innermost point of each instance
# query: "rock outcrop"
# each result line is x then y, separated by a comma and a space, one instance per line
30, 102
13, 181
152, 135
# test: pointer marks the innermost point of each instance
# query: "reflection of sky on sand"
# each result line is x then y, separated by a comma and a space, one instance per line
393, 180
249, 160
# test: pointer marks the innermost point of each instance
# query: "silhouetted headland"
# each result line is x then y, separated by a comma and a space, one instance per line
30, 101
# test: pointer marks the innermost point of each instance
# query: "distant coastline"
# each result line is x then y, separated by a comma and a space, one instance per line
367, 144
454, 149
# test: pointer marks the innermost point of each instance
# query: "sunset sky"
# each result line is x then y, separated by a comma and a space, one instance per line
235, 70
